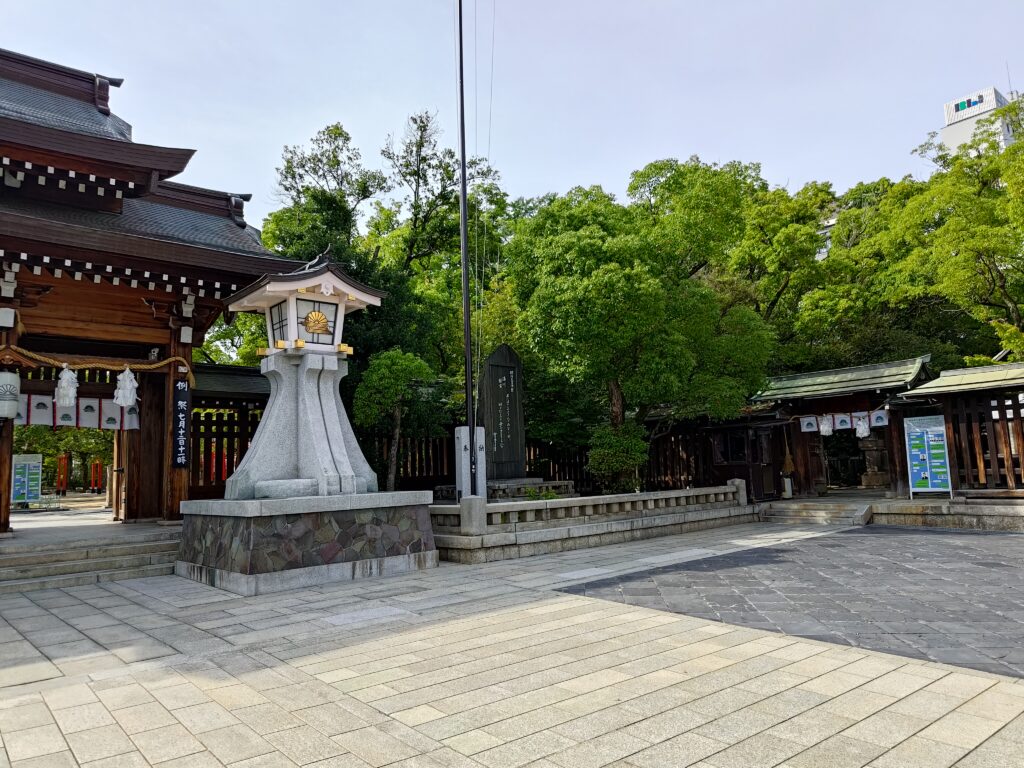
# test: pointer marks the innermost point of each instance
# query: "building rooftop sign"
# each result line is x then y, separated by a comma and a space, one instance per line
974, 104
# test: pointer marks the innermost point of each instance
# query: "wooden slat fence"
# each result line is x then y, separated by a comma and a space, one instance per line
986, 432
220, 438
553, 463
675, 461
423, 462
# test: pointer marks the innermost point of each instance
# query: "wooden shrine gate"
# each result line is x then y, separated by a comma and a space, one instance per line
135, 493
106, 263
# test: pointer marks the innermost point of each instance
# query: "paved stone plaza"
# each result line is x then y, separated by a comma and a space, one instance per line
484, 665
954, 597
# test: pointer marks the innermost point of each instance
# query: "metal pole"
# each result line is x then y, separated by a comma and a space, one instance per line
464, 251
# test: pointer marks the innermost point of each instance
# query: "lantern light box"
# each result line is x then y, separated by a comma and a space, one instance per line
306, 309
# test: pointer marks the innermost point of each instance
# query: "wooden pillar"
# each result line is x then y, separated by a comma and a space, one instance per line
151, 444
176, 479
131, 477
951, 447
898, 469
7, 336
117, 477
6, 459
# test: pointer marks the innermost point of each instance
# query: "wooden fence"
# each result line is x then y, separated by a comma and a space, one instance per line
423, 462
220, 438
675, 461
986, 432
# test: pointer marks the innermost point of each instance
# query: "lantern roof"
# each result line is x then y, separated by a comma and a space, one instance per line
320, 277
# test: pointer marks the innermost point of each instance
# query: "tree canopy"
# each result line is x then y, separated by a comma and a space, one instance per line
677, 301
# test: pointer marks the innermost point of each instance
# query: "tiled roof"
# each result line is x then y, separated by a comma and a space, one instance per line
144, 218
53, 110
1006, 376
844, 381
230, 381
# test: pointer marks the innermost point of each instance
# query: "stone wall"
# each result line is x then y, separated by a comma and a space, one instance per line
1007, 517
476, 532
250, 547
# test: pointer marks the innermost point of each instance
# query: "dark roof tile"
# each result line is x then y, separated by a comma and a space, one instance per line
144, 218
230, 381
898, 374
53, 110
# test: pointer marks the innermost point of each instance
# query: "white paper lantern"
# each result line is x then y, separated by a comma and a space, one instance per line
67, 388
124, 395
10, 391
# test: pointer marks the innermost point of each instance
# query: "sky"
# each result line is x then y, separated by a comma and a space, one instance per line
583, 91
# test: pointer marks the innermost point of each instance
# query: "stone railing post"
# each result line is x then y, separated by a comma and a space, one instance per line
473, 513
741, 490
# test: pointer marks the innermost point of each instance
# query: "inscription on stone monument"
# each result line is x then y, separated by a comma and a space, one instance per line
500, 410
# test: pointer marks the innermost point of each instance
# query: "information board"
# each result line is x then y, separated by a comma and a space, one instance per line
927, 455
27, 478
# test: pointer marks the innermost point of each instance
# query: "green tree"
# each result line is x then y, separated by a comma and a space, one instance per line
605, 305
237, 343
428, 175
775, 262
83, 444
394, 383
693, 211
329, 171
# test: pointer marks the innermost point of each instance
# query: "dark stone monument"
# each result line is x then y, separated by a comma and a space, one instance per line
500, 411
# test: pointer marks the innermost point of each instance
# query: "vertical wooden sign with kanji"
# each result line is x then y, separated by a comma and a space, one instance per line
182, 424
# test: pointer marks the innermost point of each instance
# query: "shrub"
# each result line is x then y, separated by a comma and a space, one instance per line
616, 455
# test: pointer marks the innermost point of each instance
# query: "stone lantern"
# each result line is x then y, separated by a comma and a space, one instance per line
304, 445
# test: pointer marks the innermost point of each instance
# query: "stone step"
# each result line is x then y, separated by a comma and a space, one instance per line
815, 512
812, 507
84, 579
158, 533
87, 565
97, 550
808, 520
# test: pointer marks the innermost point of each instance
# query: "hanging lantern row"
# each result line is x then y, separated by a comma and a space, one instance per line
84, 413
66, 408
860, 421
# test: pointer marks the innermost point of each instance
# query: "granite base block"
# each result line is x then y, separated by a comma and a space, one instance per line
249, 585
268, 545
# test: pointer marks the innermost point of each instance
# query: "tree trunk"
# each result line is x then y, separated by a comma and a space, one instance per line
396, 431
618, 403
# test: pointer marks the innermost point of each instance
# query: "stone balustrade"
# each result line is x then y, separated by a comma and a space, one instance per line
475, 531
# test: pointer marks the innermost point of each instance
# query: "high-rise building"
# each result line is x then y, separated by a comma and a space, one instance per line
962, 117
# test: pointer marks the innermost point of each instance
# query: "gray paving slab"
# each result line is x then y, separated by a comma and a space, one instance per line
951, 597
492, 665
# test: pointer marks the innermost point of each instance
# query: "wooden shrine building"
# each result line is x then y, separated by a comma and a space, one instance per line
839, 428
983, 409
107, 263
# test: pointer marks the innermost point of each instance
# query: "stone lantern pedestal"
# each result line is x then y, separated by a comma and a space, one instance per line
302, 508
